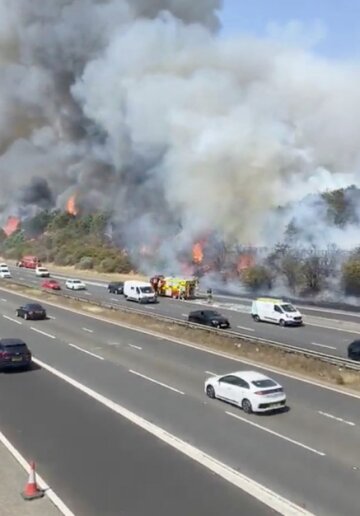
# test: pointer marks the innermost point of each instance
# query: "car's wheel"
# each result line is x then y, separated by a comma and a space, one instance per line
282, 322
246, 406
17, 313
210, 391
26, 317
256, 318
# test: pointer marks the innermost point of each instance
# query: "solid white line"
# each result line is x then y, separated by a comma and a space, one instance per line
42, 484
198, 347
43, 333
11, 319
322, 345
245, 328
87, 352
135, 347
51, 317
184, 315
156, 381
330, 416
87, 329
322, 454
210, 372
258, 491
3, 299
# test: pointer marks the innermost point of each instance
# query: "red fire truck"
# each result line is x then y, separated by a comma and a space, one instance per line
29, 262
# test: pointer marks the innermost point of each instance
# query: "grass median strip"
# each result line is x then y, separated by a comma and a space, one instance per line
239, 347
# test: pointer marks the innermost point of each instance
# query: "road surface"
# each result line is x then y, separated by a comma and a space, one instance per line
300, 454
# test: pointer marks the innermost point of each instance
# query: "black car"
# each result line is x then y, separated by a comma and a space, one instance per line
31, 311
116, 287
354, 350
209, 318
14, 353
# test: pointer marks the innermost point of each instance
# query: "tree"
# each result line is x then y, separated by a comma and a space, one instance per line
351, 276
256, 278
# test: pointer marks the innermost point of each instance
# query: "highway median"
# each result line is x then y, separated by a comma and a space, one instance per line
315, 366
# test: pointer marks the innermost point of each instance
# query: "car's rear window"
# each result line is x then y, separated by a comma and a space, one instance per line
210, 313
264, 383
34, 307
15, 348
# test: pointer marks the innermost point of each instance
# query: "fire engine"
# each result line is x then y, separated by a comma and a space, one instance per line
177, 288
29, 262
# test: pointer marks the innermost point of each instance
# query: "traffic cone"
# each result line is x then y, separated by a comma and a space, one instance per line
31, 491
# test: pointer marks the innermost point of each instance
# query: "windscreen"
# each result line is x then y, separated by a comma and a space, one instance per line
264, 383
16, 348
146, 290
288, 308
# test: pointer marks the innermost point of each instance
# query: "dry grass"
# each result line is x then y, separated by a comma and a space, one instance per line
238, 347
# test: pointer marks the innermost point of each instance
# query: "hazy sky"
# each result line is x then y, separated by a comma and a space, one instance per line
331, 27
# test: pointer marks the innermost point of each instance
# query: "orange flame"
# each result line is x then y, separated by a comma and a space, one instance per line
245, 262
71, 205
197, 253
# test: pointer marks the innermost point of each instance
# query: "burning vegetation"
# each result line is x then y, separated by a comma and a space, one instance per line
71, 208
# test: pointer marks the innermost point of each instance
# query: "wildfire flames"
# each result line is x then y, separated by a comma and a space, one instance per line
71, 205
197, 253
12, 225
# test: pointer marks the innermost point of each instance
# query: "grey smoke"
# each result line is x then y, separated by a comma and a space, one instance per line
140, 108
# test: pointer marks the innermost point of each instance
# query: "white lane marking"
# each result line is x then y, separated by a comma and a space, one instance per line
184, 315
3, 299
332, 328
88, 330
135, 347
322, 345
42, 484
272, 432
86, 351
265, 495
198, 347
210, 372
51, 317
113, 299
11, 319
245, 328
156, 381
43, 332
150, 307
330, 416
87, 294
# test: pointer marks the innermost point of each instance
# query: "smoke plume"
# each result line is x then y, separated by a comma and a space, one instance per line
140, 108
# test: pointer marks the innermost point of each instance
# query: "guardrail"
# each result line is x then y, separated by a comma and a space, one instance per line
330, 359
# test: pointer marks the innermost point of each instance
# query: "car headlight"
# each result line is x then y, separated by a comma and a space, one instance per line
214, 321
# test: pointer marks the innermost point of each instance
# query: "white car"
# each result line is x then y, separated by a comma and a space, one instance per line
4, 271
75, 284
42, 272
252, 391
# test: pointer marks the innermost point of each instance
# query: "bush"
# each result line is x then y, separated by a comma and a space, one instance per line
256, 278
86, 262
118, 263
351, 277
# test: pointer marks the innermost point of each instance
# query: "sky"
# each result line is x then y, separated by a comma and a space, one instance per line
330, 27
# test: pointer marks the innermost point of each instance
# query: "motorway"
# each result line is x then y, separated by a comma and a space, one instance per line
309, 454
326, 331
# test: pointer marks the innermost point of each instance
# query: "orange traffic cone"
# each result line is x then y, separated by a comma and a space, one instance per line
31, 491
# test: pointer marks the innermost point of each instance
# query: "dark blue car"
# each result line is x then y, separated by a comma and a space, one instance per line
14, 353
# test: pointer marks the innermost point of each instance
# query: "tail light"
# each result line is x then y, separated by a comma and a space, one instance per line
4, 354
269, 391
261, 393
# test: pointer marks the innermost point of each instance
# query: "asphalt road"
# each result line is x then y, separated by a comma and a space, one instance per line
328, 332
301, 454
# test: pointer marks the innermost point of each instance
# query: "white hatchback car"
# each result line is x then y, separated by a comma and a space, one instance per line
42, 272
252, 391
4, 271
75, 284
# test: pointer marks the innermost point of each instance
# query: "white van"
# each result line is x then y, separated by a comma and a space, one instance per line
4, 271
276, 311
139, 291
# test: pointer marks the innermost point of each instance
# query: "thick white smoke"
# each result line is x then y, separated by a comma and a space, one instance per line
141, 108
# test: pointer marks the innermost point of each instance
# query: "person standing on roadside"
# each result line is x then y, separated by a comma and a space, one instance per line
209, 295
